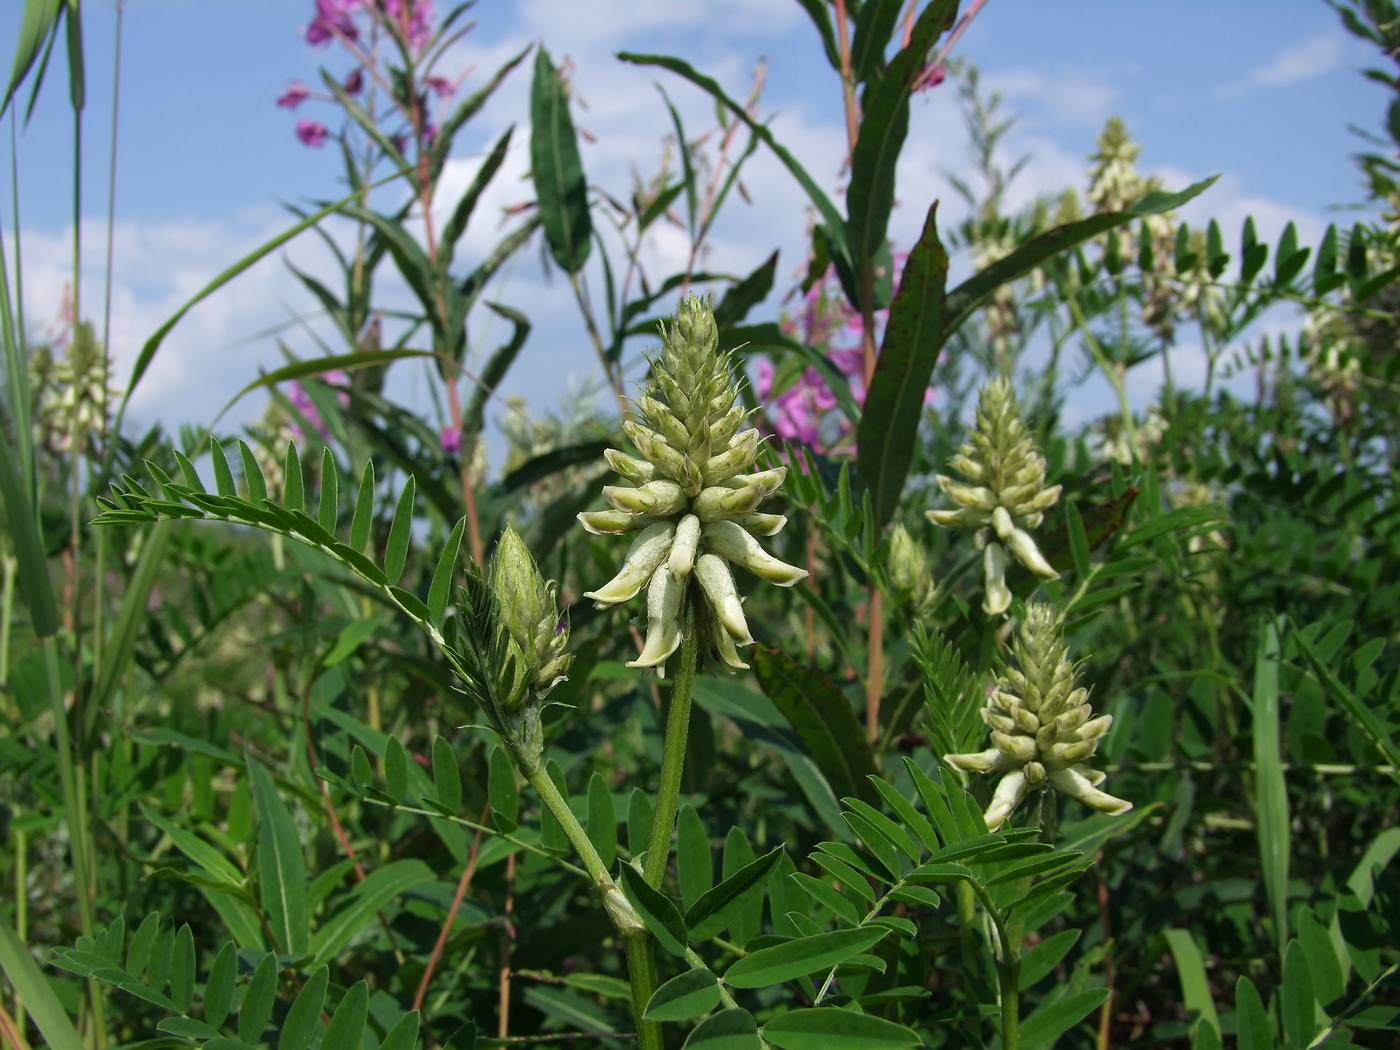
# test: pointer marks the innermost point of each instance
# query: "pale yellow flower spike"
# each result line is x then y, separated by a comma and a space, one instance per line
1042, 732
689, 498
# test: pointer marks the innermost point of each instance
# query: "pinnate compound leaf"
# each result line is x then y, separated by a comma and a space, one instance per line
733, 1029
830, 1028
792, 959
1050, 1022
691, 994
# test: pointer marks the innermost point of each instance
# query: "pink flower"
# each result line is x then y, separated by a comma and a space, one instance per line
332, 19
930, 77
451, 439
420, 20
311, 132
302, 400
443, 87
355, 82
295, 95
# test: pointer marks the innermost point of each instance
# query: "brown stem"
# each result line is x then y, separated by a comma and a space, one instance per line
1109, 971
875, 673
462, 884
507, 937
336, 827
848, 85
9, 1030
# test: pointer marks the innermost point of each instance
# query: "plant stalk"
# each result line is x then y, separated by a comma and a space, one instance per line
663, 821
641, 970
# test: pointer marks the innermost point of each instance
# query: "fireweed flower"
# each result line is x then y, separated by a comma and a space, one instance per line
1042, 732
311, 132
333, 18
295, 95
694, 510
1005, 495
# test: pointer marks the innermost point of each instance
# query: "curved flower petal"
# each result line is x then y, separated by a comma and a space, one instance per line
1008, 795
647, 552
717, 582
1075, 784
664, 595
730, 541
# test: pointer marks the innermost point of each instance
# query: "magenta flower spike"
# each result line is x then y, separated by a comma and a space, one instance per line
333, 19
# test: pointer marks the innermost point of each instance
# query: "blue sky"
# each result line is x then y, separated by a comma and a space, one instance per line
1260, 91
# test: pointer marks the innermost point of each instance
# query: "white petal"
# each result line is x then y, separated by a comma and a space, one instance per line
647, 552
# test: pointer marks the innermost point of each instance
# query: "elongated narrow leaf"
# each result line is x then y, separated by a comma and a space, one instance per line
138, 953
747, 294
131, 617
1191, 971
715, 908
1297, 1003
34, 990
783, 962
396, 552
824, 720
456, 225
300, 1025
375, 892
894, 406
329, 509
1270, 790
38, 25
557, 169
883, 127
364, 508
657, 910
1050, 1022
395, 769
33, 573
281, 866
691, 994
348, 1023
316, 366
830, 1028
1037, 963
497, 365
828, 211
969, 295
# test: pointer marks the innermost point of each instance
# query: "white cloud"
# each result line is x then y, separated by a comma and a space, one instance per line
1296, 62
1069, 95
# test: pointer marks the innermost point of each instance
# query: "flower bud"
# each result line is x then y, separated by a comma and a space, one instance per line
531, 613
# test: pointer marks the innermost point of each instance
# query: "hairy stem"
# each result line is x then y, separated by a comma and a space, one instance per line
641, 970
663, 822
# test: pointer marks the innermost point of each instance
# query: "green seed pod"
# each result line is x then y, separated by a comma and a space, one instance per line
1041, 730
691, 497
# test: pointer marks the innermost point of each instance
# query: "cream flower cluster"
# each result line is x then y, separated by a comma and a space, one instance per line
1042, 732
1005, 495
689, 499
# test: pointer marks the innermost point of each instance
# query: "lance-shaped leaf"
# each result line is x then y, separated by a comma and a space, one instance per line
883, 128
281, 866
557, 169
496, 367
456, 224
828, 211
894, 406
969, 295
715, 908
823, 719
783, 962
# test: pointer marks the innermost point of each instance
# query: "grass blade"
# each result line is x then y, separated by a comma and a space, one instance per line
1270, 790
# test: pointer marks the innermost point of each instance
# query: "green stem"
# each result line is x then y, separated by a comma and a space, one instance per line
641, 970
663, 822
1008, 979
